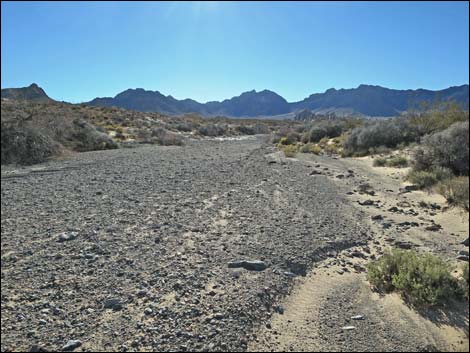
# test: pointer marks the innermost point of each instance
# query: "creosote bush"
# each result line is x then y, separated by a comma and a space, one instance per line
422, 279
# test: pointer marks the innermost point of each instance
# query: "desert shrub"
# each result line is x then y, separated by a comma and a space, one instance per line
322, 129
425, 179
164, 137
379, 162
456, 191
290, 150
393, 161
332, 148
397, 161
448, 148
388, 133
183, 127
212, 130
287, 134
465, 282
255, 129
85, 137
432, 118
310, 148
26, 146
422, 279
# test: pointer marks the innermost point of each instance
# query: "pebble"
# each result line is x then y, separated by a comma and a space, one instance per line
348, 328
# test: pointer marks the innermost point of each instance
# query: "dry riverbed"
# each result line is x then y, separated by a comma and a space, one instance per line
198, 248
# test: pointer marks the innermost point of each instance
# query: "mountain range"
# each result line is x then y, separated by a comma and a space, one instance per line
366, 100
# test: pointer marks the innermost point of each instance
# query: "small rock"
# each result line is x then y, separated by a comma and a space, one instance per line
348, 328
465, 242
148, 311
386, 225
377, 217
113, 303
433, 228
250, 265
71, 345
357, 317
66, 236
366, 203
37, 348
462, 258
404, 245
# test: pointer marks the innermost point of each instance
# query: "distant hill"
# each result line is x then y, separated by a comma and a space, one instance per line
364, 100
32, 93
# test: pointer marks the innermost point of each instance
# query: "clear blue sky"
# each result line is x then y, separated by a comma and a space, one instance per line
216, 50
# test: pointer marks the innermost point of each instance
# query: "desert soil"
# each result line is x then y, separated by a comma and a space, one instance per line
128, 250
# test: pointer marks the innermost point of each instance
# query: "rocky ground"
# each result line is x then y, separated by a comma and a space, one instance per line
129, 249
198, 248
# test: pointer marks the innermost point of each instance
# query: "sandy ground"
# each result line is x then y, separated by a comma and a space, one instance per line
319, 313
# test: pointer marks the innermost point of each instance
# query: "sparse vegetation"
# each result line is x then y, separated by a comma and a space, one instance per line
456, 191
422, 279
465, 282
396, 161
448, 149
376, 134
26, 146
310, 148
425, 179
164, 137
290, 150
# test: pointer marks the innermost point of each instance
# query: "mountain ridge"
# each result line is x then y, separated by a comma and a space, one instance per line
33, 93
365, 100
368, 100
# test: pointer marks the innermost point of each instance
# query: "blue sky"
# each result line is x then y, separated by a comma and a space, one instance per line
216, 50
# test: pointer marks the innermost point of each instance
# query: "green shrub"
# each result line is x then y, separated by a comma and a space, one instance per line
397, 161
393, 161
310, 148
465, 282
290, 150
422, 279
426, 179
456, 191
380, 162
436, 117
